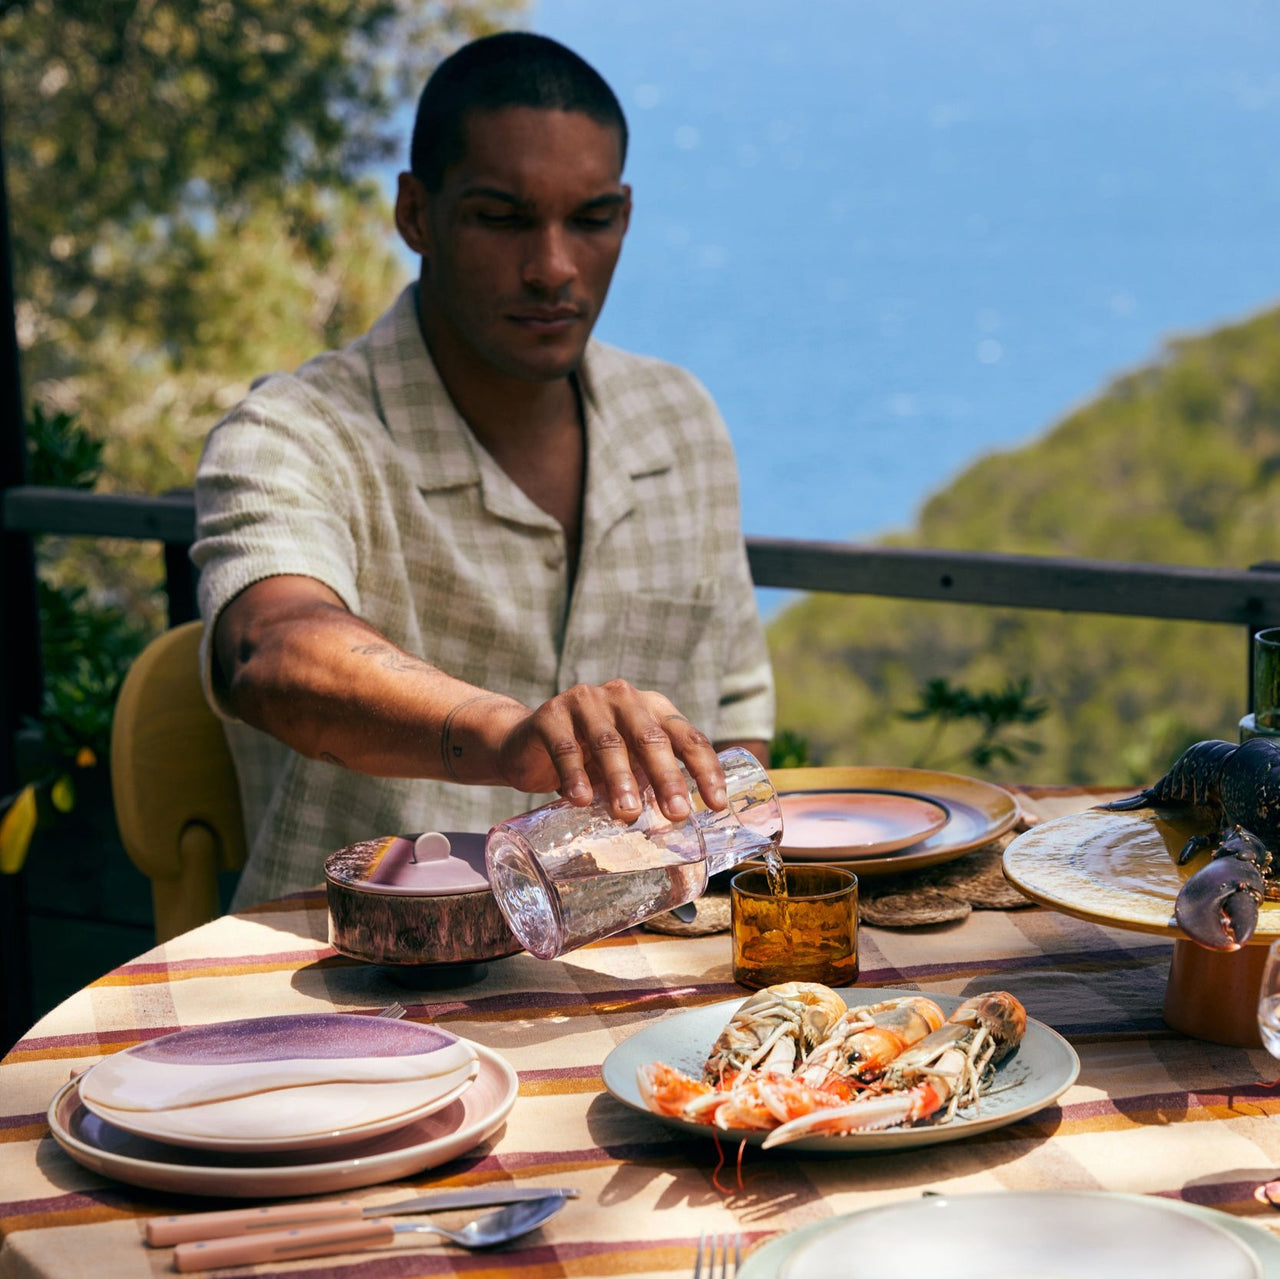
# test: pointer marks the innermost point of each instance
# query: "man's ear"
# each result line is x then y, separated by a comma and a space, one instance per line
626, 208
411, 214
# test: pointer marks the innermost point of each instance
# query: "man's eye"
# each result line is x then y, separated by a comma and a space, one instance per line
595, 221
498, 219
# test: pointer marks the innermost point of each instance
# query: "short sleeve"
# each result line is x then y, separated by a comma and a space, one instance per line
273, 497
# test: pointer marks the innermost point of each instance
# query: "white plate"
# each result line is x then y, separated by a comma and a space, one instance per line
279, 1083
823, 825
1028, 1234
460, 1126
1041, 1070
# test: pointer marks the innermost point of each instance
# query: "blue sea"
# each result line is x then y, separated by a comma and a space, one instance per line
893, 235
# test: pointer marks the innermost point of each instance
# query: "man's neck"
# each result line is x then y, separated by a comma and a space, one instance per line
533, 430
502, 411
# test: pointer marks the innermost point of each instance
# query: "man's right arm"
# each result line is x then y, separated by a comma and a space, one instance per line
292, 660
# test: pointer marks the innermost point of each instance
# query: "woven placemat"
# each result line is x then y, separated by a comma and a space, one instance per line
712, 917
916, 906
974, 881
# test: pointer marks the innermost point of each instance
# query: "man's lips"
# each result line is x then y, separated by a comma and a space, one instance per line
547, 319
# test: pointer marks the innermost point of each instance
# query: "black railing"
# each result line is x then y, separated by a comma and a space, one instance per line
1242, 597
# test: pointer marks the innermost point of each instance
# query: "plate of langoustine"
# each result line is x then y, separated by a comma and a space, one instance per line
802, 1067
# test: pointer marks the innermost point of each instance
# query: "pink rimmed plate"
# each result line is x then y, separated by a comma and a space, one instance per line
427, 1143
838, 825
980, 811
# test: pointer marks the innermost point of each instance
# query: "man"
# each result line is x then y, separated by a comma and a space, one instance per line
476, 558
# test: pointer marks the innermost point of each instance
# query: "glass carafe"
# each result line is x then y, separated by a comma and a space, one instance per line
564, 876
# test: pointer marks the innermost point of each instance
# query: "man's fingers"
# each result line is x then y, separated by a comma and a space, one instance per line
653, 756
561, 744
623, 740
611, 758
626, 748
695, 751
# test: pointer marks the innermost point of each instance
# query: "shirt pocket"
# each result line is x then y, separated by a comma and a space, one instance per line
668, 643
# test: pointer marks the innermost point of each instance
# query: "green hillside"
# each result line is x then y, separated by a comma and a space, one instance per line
1177, 463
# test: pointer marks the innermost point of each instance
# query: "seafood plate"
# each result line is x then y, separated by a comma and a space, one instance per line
646, 1071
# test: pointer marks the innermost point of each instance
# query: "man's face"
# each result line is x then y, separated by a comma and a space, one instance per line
520, 243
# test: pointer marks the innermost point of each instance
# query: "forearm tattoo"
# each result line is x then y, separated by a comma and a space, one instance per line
392, 658
450, 751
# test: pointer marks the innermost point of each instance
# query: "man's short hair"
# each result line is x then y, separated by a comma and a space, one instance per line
511, 69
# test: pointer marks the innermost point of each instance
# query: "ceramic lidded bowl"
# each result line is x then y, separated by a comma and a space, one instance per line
421, 906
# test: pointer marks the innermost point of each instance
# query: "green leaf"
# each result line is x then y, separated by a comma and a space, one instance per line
17, 827
62, 794
789, 750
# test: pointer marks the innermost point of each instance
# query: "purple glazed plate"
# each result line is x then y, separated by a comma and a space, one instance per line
279, 1083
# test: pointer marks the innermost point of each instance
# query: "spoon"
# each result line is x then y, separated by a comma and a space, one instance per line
348, 1236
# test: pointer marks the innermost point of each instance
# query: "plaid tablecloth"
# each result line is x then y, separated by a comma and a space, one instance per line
1152, 1112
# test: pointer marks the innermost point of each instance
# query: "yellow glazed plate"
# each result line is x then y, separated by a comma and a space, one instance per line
1113, 868
979, 811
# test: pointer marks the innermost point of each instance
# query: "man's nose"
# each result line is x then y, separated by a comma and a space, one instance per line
549, 264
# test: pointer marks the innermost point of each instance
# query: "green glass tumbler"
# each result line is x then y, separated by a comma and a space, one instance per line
1264, 717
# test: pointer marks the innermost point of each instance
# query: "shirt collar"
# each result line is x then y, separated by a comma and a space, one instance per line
435, 444
440, 452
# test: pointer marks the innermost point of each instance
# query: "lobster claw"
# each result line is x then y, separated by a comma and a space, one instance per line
1218, 905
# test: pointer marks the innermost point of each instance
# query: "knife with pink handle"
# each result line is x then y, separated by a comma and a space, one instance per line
160, 1232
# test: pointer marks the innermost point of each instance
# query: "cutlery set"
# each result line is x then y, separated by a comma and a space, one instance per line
206, 1241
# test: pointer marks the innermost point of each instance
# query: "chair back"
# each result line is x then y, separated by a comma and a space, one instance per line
176, 797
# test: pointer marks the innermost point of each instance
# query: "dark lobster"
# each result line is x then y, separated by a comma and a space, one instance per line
1218, 905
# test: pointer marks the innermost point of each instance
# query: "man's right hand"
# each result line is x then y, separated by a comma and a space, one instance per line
619, 737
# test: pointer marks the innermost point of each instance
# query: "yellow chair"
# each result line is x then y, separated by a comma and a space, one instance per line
176, 797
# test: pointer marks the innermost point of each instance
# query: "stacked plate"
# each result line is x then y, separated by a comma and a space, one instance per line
886, 820
283, 1105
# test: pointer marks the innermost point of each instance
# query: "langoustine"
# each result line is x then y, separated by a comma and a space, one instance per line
929, 1082
774, 1029
894, 1063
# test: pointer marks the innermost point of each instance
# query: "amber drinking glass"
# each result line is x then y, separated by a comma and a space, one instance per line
808, 934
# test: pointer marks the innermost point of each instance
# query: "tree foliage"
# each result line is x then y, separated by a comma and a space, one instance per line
191, 205
1177, 463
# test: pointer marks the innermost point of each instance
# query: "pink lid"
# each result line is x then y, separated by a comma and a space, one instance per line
429, 865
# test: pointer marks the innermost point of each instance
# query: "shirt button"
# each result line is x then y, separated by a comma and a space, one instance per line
553, 557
